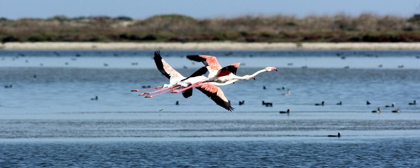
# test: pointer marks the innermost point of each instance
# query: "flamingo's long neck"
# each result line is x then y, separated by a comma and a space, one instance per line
247, 77
258, 72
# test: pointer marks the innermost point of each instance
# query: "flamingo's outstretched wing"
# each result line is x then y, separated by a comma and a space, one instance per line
199, 72
216, 94
227, 70
211, 62
164, 67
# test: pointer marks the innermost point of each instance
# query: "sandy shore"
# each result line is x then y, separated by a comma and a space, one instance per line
207, 46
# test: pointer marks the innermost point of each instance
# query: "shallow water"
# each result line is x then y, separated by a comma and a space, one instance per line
53, 112
68, 88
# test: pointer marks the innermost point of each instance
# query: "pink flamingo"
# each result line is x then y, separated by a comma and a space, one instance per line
225, 75
174, 78
226, 80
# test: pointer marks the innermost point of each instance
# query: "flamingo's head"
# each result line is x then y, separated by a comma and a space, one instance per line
268, 69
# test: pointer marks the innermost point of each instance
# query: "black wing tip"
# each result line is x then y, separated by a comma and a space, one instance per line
232, 69
195, 58
157, 54
199, 72
158, 61
228, 107
217, 100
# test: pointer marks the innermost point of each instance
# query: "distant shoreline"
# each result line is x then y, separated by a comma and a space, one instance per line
205, 46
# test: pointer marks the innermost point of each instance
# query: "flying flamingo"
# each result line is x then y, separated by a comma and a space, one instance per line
174, 78
226, 75
227, 80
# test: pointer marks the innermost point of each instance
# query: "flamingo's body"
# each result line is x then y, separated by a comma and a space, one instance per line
210, 62
216, 72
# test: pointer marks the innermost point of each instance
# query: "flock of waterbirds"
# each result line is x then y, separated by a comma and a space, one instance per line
267, 104
378, 110
228, 70
117, 54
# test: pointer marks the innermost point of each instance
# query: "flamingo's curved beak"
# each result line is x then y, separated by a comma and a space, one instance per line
253, 78
274, 69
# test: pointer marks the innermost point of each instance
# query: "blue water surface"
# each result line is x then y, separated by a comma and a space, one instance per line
47, 117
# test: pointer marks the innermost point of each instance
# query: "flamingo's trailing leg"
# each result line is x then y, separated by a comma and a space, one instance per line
163, 92
148, 93
140, 90
189, 87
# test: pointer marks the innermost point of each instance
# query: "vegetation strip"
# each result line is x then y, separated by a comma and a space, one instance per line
180, 28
